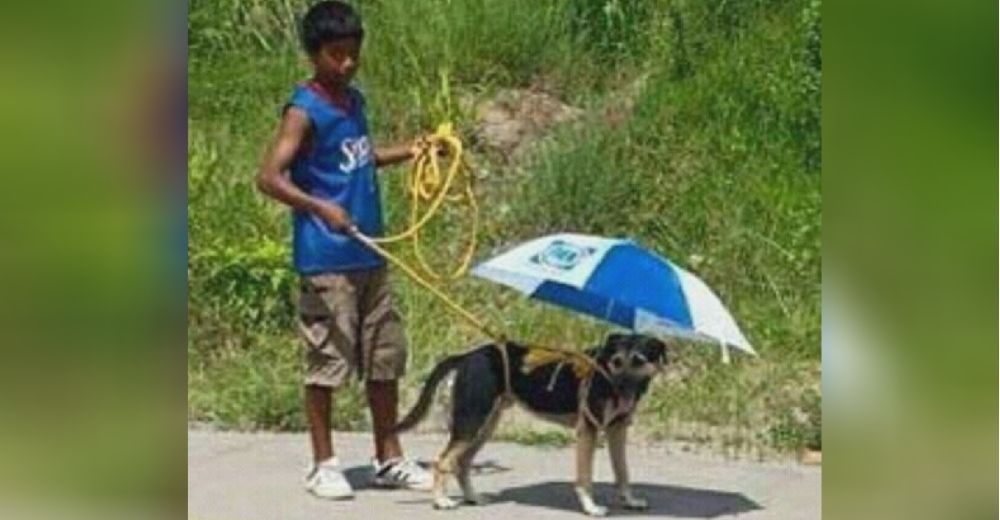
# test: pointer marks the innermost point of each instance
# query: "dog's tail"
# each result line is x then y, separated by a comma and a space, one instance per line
419, 410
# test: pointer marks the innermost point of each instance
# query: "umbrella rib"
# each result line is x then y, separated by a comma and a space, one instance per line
607, 309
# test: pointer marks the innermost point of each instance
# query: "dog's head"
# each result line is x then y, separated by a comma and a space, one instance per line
631, 361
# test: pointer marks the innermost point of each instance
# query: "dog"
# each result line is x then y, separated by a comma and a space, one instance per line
599, 395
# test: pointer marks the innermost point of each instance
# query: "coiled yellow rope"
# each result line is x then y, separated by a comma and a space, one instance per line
428, 187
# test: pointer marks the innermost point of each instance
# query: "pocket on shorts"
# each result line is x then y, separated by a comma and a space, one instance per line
314, 314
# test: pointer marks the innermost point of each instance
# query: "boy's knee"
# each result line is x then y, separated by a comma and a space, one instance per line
382, 386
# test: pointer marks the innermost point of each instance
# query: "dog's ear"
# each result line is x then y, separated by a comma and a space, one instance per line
613, 343
617, 340
655, 351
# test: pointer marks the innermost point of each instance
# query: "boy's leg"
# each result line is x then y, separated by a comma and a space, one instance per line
328, 319
325, 479
318, 400
383, 399
384, 348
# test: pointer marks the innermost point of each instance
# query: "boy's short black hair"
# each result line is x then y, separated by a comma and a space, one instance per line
329, 20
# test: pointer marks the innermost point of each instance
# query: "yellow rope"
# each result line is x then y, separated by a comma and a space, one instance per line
540, 357
427, 186
423, 282
577, 359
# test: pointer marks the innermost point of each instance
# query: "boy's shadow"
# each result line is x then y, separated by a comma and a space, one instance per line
673, 501
360, 477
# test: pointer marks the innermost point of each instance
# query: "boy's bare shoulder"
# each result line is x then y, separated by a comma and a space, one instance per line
294, 120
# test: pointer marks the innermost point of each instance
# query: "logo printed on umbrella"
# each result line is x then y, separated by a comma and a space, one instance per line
562, 255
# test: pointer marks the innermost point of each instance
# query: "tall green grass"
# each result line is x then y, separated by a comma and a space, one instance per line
716, 165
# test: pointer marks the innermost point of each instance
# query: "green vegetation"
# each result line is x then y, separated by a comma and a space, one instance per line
536, 437
700, 139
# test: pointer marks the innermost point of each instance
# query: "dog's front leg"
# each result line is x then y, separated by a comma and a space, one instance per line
617, 442
586, 442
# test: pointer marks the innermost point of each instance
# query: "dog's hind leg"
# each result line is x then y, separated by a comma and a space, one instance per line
445, 466
475, 394
465, 461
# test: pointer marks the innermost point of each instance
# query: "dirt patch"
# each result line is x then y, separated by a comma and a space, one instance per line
514, 121
510, 124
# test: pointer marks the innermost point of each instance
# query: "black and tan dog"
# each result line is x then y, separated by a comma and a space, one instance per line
559, 389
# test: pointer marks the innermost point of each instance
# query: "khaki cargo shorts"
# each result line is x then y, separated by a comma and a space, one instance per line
351, 326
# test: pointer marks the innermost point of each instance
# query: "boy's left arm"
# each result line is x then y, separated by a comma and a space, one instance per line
394, 154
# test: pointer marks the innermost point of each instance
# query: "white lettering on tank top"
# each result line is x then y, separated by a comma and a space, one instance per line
357, 153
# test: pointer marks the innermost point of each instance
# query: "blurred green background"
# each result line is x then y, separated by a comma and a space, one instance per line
93, 383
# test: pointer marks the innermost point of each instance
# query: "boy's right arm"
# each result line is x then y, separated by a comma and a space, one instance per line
273, 179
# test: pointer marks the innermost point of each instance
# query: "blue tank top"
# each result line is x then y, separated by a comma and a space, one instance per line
338, 164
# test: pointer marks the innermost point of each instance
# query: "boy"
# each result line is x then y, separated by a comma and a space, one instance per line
345, 308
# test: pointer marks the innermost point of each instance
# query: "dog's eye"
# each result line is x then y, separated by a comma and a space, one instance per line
616, 363
637, 360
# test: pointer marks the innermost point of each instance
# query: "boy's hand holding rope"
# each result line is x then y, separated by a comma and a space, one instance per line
428, 188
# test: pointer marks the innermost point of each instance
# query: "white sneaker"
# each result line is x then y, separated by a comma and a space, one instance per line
402, 473
327, 481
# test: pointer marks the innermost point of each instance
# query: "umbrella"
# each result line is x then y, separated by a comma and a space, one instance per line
617, 281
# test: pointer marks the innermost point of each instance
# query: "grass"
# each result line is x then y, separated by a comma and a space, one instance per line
535, 437
715, 165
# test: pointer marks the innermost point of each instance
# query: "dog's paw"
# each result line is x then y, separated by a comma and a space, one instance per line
587, 502
476, 500
595, 510
445, 503
630, 501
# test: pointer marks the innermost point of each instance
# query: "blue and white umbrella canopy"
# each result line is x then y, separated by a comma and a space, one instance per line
616, 281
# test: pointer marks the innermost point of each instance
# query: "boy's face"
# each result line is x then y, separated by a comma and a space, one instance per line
337, 61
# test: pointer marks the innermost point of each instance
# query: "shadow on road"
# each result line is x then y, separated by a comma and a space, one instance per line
360, 476
671, 501
668, 501
664, 501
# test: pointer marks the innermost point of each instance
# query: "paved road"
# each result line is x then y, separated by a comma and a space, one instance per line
243, 476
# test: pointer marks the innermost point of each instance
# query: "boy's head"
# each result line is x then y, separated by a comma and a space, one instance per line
331, 35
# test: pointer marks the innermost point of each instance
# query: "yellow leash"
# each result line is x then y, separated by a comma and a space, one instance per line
426, 185
582, 364
423, 282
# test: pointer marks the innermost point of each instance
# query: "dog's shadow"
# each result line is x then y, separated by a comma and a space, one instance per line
671, 501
